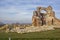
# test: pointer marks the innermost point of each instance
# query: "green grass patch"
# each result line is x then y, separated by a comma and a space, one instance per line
44, 34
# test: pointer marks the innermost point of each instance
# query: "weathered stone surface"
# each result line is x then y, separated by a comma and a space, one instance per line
35, 19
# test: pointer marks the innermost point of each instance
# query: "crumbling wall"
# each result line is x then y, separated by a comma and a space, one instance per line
35, 19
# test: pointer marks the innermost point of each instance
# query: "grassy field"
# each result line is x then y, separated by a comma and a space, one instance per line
53, 34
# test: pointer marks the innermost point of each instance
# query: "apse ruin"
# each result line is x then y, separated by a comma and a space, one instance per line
48, 18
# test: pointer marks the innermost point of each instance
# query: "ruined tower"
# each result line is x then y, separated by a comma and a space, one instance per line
40, 19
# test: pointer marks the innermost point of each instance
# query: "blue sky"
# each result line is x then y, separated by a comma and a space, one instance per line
22, 10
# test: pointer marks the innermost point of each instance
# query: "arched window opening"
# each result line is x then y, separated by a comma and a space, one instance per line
43, 11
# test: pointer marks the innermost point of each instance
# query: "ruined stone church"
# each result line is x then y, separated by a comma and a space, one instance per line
44, 16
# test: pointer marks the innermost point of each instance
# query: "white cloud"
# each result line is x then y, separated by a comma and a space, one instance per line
22, 10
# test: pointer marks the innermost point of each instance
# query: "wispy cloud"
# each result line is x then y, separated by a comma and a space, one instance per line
22, 10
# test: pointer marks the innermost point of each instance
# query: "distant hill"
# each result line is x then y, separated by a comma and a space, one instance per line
1, 24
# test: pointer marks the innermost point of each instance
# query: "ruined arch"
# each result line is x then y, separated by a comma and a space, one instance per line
42, 15
44, 19
41, 8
